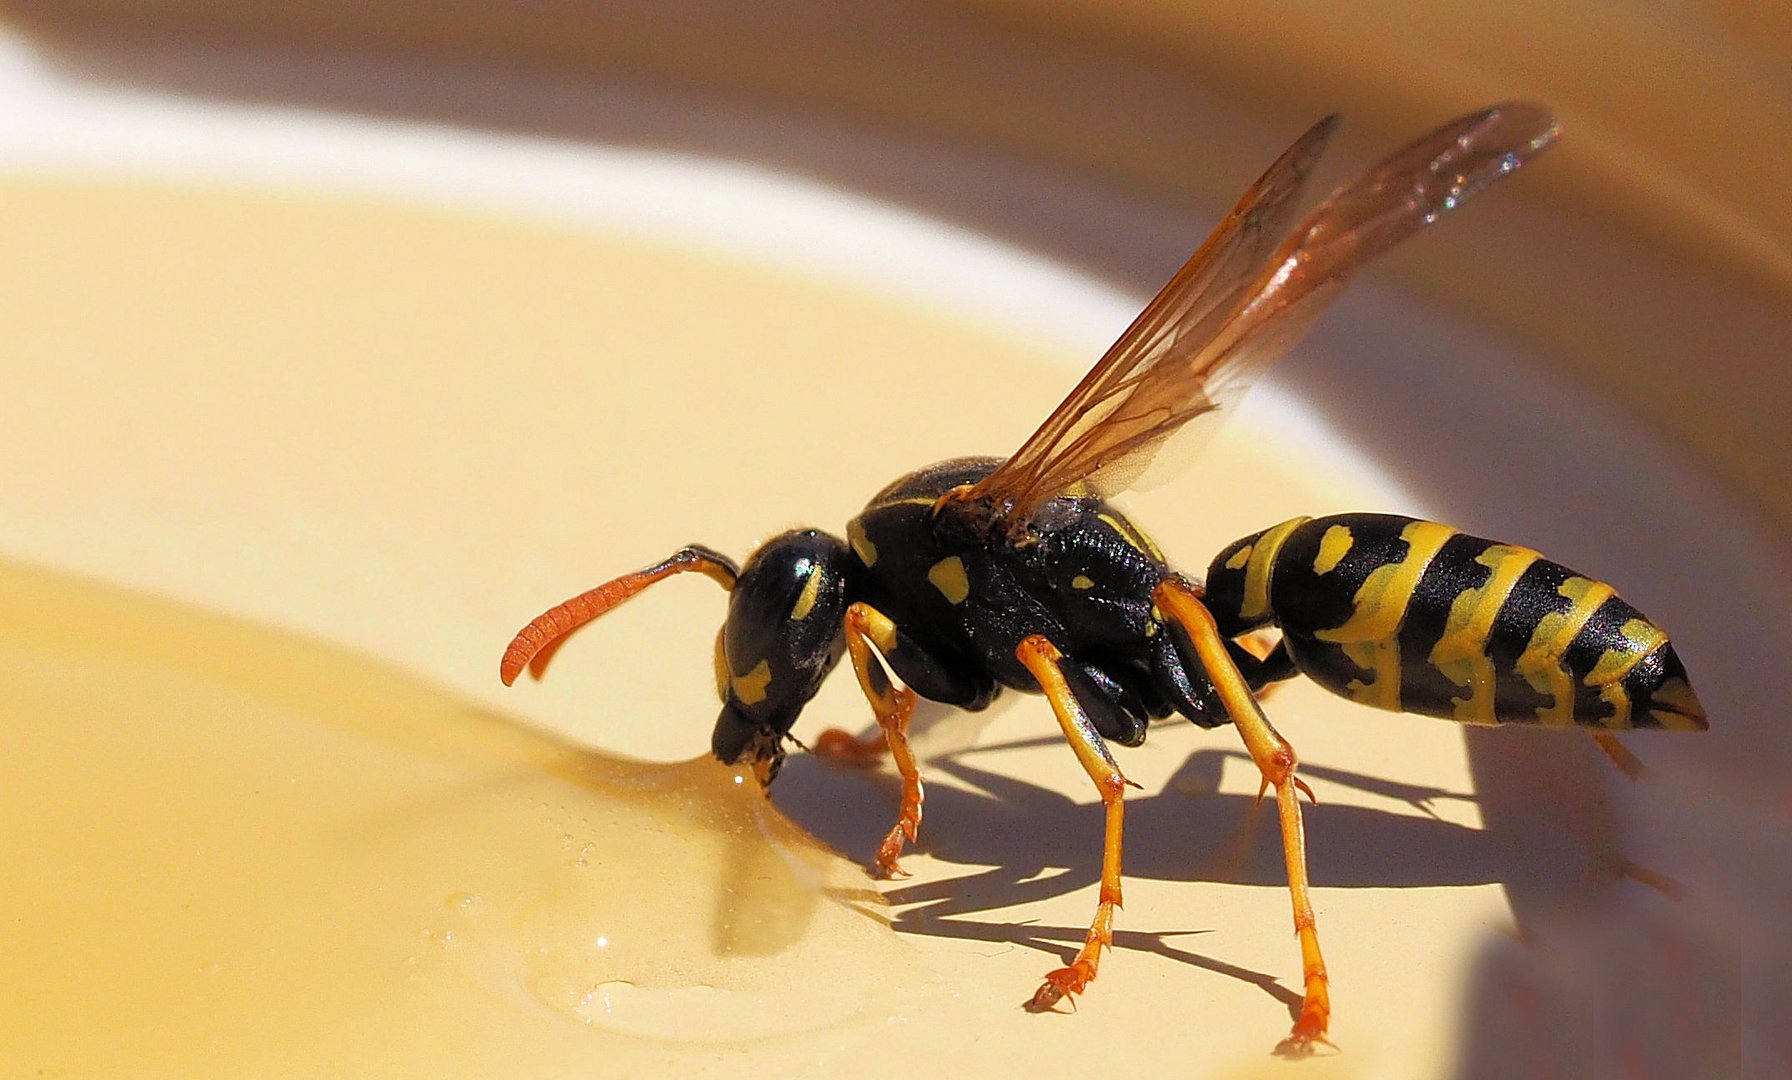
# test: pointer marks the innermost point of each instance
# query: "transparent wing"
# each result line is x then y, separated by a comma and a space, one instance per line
1200, 294
1238, 304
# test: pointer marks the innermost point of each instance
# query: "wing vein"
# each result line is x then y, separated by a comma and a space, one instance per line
1245, 297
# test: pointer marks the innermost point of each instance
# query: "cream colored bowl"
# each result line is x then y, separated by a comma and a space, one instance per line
394, 388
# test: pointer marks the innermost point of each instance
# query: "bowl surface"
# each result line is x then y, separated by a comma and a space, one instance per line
396, 389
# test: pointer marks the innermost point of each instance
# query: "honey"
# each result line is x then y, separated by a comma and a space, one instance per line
232, 851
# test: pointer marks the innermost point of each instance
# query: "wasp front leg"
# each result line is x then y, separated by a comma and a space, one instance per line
935, 676
1275, 759
1046, 663
893, 705
871, 634
843, 747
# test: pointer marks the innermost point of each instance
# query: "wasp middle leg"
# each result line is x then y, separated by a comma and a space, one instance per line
1044, 661
1275, 759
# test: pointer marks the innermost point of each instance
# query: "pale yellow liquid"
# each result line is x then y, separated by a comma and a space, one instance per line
236, 852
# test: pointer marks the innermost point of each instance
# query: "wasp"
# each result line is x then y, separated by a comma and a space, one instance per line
978, 574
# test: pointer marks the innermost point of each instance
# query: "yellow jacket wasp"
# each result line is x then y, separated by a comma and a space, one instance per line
975, 574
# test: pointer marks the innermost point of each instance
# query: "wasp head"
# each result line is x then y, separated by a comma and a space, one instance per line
782, 637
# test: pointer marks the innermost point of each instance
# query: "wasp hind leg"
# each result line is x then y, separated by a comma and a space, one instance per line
1619, 755
1181, 603
1043, 660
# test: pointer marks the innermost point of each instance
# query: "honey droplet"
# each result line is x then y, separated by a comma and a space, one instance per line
239, 839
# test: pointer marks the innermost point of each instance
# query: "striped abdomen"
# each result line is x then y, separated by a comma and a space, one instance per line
1414, 616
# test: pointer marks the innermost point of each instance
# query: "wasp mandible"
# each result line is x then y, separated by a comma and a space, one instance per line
975, 574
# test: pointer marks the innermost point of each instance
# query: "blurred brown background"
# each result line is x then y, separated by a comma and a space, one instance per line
1652, 256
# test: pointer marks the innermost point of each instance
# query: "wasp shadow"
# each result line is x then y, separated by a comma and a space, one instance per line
1027, 830
1029, 843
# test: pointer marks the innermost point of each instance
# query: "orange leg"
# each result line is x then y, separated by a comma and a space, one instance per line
842, 746
536, 644
1275, 759
1041, 659
868, 628
1628, 763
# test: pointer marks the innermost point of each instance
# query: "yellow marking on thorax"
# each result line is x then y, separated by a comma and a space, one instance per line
1134, 538
1461, 652
1370, 637
750, 688
861, 544
1261, 561
949, 578
1082, 581
1333, 546
805, 600
1641, 637
1541, 662
1239, 558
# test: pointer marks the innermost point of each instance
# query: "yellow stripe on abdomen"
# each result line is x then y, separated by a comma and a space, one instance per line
1371, 636
1541, 662
1333, 546
1258, 565
1641, 638
1461, 652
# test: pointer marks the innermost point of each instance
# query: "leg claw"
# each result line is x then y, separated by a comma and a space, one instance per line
1300, 1046
1309, 1032
905, 831
887, 855
1066, 982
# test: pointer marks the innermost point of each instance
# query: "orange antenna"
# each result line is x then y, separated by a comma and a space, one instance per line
536, 644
